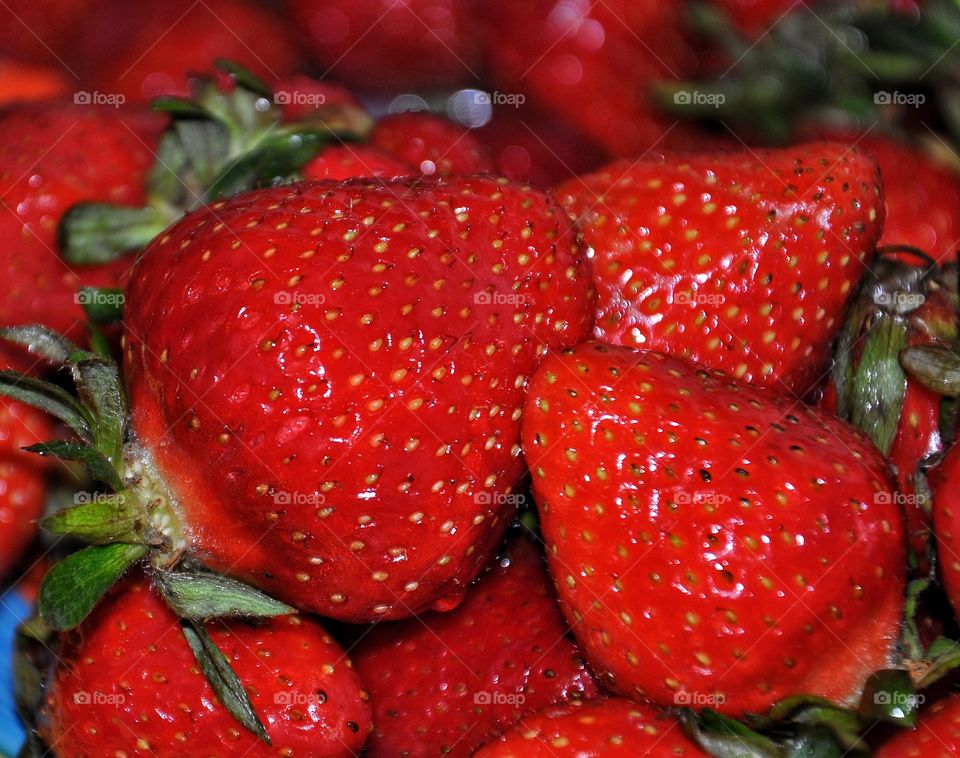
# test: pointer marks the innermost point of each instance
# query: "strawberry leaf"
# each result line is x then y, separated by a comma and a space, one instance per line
42, 342
102, 305
98, 385
889, 696
99, 467
92, 233
205, 596
75, 585
110, 519
49, 398
935, 367
228, 687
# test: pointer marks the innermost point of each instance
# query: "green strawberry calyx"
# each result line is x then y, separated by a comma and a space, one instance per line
225, 139
132, 518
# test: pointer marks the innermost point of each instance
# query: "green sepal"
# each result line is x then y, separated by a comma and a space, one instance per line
41, 341
76, 584
243, 77
225, 682
818, 714
99, 467
108, 518
49, 398
889, 696
934, 366
98, 385
201, 597
942, 657
725, 737
97, 233
102, 305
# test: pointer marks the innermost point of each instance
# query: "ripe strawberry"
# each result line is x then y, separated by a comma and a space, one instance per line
946, 522
431, 143
614, 728
158, 44
937, 734
22, 488
739, 261
706, 535
363, 402
126, 683
442, 684
755, 17
55, 155
339, 162
43, 31
389, 46
21, 82
591, 66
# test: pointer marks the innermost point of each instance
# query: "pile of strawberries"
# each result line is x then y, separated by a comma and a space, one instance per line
334, 428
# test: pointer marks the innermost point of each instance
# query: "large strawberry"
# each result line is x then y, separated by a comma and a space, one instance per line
590, 65
937, 734
709, 538
944, 481
614, 728
442, 684
742, 261
22, 487
389, 46
126, 683
55, 155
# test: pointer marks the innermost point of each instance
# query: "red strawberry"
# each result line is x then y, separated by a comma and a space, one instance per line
739, 261
43, 31
340, 162
390, 46
936, 736
126, 683
334, 373
430, 143
946, 522
709, 537
22, 82
22, 488
443, 684
157, 45
54, 156
614, 728
590, 65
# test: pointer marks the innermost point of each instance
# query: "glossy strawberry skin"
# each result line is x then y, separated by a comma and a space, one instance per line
937, 734
739, 544
53, 156
339, 162
591, 65
388, 46
432, 144
442, 684
23, 489
338, 380
127, 683
946, 522
739, 261
614, 728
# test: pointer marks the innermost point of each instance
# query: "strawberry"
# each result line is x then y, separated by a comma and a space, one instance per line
46, 154
740, 261
431, 143
339, 162
946, 522
590, 65
126, 683
614, 728
442, 684
158, 44
706, 535
22, 82
22, 488
389, 46
43, 31
360, 306
937, 734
